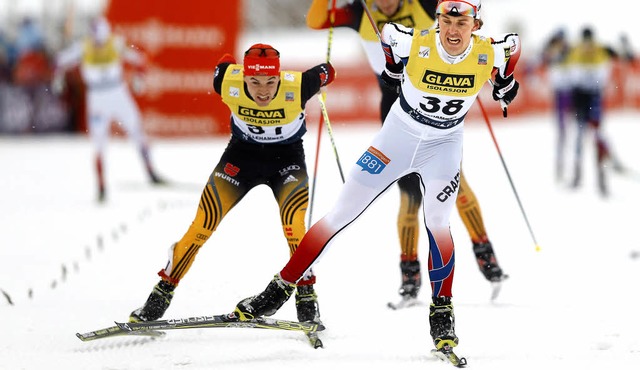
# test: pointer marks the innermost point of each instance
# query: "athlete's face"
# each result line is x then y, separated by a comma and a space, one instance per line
455, 32
262, 88
388, 7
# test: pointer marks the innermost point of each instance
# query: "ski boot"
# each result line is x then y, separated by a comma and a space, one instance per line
266, 303
577, 177
602, 182
309, 311
156, 180
102, 195
487, 262
411, 280
156, 305
307, 304
443, 333
410, 286
442, 322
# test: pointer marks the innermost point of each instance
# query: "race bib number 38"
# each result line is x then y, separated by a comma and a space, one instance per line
373, 161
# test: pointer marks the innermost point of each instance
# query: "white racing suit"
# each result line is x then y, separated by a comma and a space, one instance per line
423, 133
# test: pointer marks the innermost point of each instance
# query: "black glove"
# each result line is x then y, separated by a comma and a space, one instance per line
505, 89
392, 77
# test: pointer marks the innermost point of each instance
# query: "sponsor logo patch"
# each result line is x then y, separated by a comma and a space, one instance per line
259, 113
373, 161
482, 59
289, 96
448, 80
231, 170
289, 179
450, 189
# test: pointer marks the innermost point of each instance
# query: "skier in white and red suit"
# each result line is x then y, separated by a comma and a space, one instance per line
439, 73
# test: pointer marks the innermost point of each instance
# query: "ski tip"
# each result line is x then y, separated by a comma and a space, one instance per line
86, 337
315, 341
447, 355
462, 363
496, 286
405, 303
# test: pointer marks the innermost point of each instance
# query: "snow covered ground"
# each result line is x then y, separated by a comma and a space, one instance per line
70, 265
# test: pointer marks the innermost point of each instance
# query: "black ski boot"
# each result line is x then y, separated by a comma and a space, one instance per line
411, 280
442, 323
307, 304
602, 182
487, 261
156, 305
266, 303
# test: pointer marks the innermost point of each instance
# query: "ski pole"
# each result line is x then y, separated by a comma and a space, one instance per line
506, 170
373, 24
322, 116
325, 114
323, 96
315, 171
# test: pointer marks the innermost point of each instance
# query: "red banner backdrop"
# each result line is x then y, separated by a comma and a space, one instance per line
182, 41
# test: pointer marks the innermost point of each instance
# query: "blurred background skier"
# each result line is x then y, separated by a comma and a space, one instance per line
101, 57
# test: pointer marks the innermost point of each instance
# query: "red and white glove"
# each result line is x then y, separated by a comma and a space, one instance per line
327, 74
505, 89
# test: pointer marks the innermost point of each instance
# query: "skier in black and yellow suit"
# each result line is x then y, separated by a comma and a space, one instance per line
267, 125
416, 14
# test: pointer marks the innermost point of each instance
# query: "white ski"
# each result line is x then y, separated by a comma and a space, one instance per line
496, 286
405, 303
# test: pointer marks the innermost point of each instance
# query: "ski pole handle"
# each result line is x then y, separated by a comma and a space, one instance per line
503, 105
